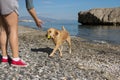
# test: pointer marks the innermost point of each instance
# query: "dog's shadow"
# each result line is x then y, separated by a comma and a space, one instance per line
45, 50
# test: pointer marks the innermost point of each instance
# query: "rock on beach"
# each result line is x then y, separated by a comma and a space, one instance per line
100, 16
88, 61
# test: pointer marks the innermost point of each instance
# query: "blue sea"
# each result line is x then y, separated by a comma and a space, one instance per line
100, 34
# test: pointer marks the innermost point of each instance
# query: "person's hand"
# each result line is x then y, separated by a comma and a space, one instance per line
39, 23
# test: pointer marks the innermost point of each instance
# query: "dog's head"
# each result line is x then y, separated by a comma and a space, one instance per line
52, 33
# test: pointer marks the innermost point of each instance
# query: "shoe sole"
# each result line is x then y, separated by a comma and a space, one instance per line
19, 65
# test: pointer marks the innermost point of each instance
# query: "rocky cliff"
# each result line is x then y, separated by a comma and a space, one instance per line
100, 16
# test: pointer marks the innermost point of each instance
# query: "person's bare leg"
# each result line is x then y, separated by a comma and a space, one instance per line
12, 21
3, 38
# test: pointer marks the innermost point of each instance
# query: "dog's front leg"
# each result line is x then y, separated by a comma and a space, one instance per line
56, 47
69, 43
60, 50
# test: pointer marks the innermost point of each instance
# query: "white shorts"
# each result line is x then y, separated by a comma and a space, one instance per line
8, 6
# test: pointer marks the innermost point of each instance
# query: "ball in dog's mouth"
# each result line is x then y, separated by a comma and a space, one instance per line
48, 37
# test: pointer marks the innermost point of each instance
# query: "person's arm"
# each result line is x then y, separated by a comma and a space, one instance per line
31, 10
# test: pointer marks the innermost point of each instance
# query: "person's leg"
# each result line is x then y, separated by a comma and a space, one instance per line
3, 40
12, 22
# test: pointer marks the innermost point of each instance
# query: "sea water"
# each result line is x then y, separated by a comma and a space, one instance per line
100, 34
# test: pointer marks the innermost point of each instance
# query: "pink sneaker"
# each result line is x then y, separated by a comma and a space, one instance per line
4, 60
19, 63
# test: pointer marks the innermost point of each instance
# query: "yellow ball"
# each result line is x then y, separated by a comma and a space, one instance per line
49, 37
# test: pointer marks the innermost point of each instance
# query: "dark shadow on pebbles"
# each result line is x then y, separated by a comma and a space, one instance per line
0, 58
45, 50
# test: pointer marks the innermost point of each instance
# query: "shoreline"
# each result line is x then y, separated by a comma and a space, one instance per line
88, 61
93, 39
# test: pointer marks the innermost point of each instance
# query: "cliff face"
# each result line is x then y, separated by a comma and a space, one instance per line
107, 16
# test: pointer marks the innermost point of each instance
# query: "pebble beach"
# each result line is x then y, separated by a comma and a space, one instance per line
88, 61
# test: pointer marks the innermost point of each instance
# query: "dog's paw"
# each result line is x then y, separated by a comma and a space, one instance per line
61, 55
70, 51
50, 55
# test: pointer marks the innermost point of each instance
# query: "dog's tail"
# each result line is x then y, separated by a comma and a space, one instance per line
63, 28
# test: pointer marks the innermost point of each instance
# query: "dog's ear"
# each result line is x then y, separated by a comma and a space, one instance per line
56, 33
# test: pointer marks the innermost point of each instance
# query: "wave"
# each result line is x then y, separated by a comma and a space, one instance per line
98, 41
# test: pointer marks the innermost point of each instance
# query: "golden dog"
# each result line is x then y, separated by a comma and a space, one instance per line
59, 36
